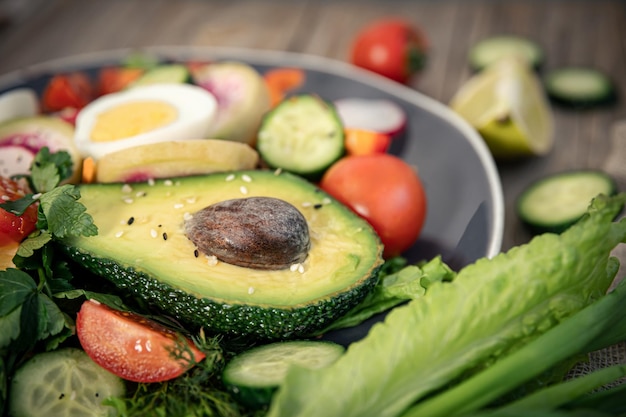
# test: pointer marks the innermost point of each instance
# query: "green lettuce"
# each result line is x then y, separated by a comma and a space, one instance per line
492, 308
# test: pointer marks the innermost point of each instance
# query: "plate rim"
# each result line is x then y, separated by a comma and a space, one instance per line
275, 57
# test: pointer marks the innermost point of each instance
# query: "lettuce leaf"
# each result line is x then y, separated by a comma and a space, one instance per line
492, 308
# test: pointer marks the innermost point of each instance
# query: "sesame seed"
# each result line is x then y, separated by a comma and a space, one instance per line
243, 190
150, 182
307, 204
168, 183
141, 194
127, 188
164, 236
212, 260
36, 196
119, 234
293, 268
318, 206
251, 290
6, 197
278, 171
246, 178
326, 200
179, 205
128, 200
153, 233
301, 268
196, 253
230, 177
131, 221
191, 200
187, 216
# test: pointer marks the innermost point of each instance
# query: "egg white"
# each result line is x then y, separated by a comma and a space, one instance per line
196, 109
17, 103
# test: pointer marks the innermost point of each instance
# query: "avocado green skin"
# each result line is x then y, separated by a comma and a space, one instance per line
231, 319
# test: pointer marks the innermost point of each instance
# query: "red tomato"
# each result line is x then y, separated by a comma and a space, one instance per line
15, 228
72, 90
131, 346
385, 191
391, 47
114, 79
365, 142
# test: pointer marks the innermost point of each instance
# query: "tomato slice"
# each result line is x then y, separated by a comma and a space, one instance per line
133, 347
72, 90
15, 228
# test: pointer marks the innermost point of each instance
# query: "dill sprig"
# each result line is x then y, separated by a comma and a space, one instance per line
199, 392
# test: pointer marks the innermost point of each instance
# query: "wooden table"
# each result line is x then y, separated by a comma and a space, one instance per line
579, 32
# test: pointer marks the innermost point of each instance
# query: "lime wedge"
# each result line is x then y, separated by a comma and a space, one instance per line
506, 103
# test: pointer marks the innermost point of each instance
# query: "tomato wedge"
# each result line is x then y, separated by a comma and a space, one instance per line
15, 228
133, 347
72, 90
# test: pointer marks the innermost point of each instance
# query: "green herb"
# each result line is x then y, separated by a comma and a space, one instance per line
491, 309
29, 314
198, 392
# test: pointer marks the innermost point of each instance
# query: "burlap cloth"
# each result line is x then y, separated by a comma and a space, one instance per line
615, 166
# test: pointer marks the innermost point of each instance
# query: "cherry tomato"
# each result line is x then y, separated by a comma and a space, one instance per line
15, 228
73, 90
391, 47
130, 346
385, 191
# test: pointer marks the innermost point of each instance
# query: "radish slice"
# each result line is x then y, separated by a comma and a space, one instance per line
378, 115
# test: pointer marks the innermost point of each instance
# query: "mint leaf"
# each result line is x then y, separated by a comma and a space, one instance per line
15, 286
50, 169
64, 215
53, 319
10, 327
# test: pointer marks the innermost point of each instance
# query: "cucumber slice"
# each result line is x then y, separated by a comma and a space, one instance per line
254, 375
165, 73
302, 135
489, 50
555, 202
579, 86
62, 383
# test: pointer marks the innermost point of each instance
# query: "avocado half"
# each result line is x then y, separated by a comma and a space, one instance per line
142, 247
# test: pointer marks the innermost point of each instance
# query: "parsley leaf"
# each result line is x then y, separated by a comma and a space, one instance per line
63, 215
50, 169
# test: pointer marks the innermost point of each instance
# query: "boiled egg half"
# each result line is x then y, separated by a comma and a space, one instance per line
144, 115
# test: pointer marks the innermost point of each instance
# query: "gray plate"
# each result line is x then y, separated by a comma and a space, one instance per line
465, 215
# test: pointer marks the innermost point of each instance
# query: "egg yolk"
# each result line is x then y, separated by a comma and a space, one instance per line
130, 119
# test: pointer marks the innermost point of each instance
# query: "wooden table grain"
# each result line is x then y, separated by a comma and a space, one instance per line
572, 32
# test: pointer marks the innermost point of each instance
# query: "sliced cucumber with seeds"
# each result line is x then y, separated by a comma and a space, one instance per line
165, 73
62, 383
492, 49
555, 202
303, 135
254, 375
579, 86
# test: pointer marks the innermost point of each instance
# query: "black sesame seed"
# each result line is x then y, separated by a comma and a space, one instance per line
131, 221
196, 253
164, 236
61, 396
318, 206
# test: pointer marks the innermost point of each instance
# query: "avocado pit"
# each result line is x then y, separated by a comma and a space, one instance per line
255, 232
